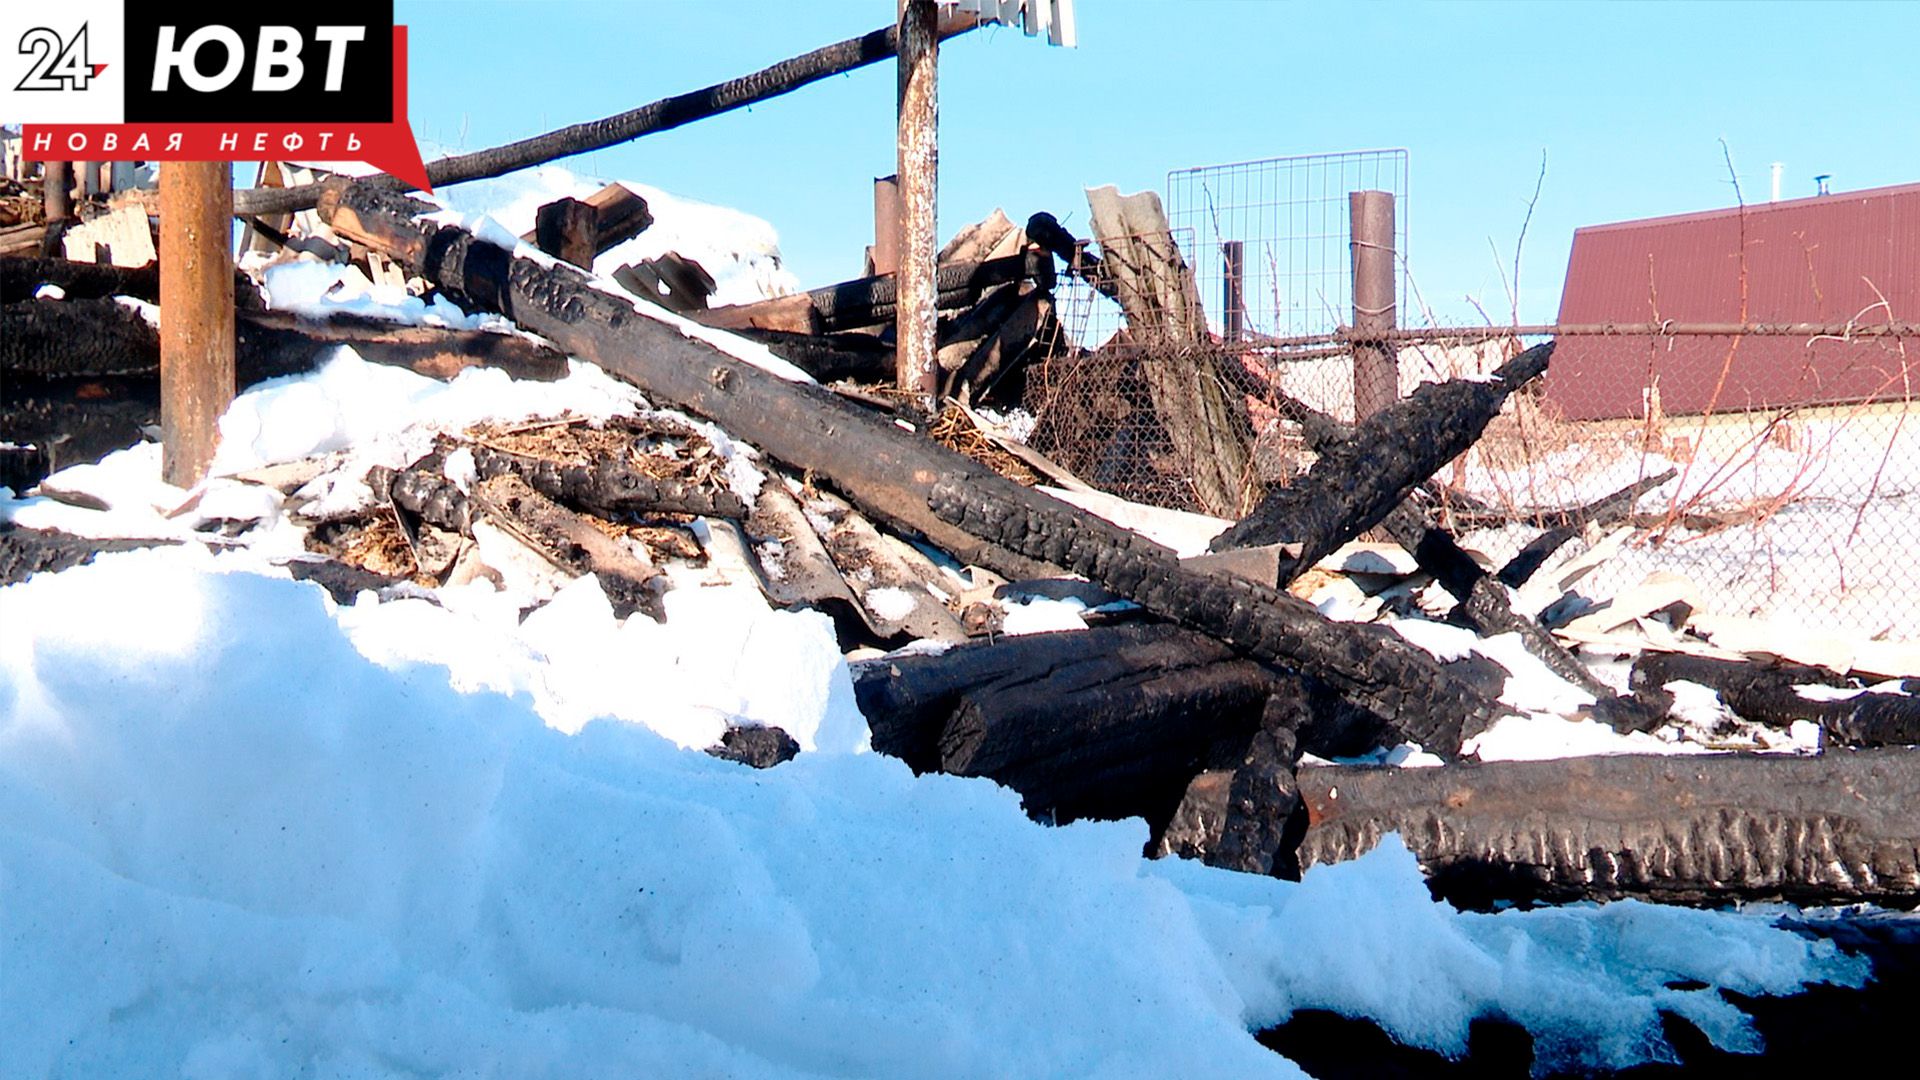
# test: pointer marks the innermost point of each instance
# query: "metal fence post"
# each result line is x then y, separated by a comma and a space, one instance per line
1233, 299
1376, 374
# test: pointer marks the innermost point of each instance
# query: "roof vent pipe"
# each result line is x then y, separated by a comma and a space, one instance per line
1821, 180
1778, 168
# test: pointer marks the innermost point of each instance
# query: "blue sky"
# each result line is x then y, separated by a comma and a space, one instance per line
1629, 102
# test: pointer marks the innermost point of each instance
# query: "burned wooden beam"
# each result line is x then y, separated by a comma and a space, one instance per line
830, 357
570, 543
1604, 510
52, 339
1838, 828
872, 301
1768, 694
25, 552
1370, 665
663, 115
908, 480
1359, 480
1110, 722
22, 276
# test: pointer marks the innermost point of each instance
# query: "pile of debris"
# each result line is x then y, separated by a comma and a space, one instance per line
1208, 694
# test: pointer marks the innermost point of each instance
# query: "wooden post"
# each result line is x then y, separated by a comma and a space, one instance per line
919, 162
886, 224
196, 314
56, 180
1233, 299
1376, 373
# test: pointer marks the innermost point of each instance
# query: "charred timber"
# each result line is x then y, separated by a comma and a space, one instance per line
911, 481
22, 276
874, 300
1358, 481
1769, 694
1110, 722
25, 552
1369, 665
662, 115
1838, 828
53, 339
610, 488
1608, 508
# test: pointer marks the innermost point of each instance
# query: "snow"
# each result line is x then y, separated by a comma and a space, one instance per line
889, 603
238, 837
470, 830
1040, 615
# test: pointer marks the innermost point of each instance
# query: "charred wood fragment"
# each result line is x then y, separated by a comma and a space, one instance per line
758, 747
96, 338
25, 552
1768, 694
1106, 723
571, 543
830, 357
22, 276
1359, 480
874, 300
1688, 829
609, 487
1370, 665
425, 492
1604, 510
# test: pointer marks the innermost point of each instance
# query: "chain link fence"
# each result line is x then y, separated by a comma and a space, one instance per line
1795, 450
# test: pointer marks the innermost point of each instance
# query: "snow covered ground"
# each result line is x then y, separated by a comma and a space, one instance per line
247, 831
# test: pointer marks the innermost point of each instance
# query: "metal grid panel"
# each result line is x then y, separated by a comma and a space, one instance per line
1290, 216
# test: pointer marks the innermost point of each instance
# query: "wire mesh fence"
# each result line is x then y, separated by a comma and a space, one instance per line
1272, 256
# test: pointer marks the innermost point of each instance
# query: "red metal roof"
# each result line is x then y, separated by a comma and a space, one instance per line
1826, 259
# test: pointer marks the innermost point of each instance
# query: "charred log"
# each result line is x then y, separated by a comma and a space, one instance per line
25, 552
22, 276
1769, 694
1608, 508
1106, 723
52, 339
1833, 829
830, 357
571, 544
1370, 665
760, 748
1358, 481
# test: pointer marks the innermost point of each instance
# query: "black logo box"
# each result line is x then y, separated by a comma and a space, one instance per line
365, 94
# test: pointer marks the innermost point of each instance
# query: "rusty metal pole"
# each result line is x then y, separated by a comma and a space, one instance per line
1233, 299
196, 314
919, 162
886, 224
1376, 371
